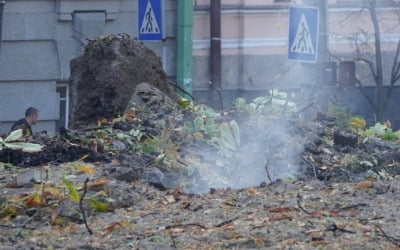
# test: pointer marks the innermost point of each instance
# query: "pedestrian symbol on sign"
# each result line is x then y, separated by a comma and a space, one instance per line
303, 34
302, 41
149, 23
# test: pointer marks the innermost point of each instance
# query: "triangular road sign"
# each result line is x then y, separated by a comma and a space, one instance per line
149, 22
302, 42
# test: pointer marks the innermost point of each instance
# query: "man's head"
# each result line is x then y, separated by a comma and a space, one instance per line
31, 115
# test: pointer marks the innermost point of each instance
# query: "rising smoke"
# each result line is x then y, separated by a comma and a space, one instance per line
269, 145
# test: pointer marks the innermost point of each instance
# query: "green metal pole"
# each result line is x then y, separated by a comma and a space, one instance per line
184, 72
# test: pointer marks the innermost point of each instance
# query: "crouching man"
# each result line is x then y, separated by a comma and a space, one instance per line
31, 117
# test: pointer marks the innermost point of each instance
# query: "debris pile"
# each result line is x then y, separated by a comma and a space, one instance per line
104, 78
153, 170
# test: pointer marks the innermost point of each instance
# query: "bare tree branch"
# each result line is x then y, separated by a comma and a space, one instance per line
370, 65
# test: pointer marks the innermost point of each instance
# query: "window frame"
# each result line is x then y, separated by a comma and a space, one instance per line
66, 99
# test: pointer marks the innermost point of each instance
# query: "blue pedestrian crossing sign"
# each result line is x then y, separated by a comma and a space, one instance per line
303, 34
150, 26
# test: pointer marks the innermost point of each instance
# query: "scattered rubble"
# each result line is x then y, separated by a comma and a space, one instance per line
164, 172
342, 196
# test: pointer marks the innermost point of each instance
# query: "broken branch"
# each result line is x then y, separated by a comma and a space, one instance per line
266, 169
221, 224
333, 227
185, 225
81, 206
390, 238
302, 208
354, 206
181, 89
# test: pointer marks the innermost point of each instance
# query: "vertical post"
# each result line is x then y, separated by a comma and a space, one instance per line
215, 53
323, 93
322, 55
2, 3
184, 71
323, 34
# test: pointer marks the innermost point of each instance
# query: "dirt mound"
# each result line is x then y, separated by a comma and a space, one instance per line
104, 78
158, 153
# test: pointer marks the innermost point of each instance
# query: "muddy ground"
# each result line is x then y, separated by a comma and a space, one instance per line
145, 169
345, 195
279, 215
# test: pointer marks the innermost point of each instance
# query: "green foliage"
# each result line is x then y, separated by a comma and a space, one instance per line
390, 135
158, 144
341, 115
352, 162
229, 140
240, 105
11, 142
97, 46
276, 103
357, 124
166, 150
184, 103
377, 130
382, 131
207, 126
72, 191
98, 206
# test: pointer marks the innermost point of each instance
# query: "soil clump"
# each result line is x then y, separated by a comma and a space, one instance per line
104, 78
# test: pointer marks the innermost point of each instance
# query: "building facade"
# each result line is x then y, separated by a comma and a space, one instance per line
40, 37
254, 47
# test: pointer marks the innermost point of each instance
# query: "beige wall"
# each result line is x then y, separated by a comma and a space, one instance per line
255, 35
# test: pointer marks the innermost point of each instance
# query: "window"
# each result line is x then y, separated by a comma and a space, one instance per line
282, 1
63, 92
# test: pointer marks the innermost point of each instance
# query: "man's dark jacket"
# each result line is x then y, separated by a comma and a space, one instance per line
24, 125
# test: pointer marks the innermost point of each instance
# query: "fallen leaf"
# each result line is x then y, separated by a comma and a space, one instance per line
281, 209
73, 192
98, 183
98, 206
84, 157
113, 226
282, 216
170, 198
52, 192
364, 185
361, 227
234, 235
251, 191
315, 214
177, 230
115, 161
178, 194
318, 243
257, 240
84, 168
32, 200
229, 203
330, 213
129, 115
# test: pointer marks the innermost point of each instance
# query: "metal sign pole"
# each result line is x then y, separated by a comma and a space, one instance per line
2, 3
